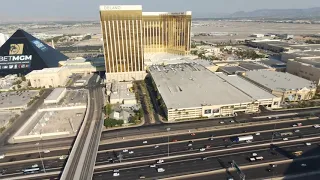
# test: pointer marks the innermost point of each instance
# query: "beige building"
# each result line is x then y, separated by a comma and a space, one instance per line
49, 77
285, 85
307, 69
128, 33
190, 90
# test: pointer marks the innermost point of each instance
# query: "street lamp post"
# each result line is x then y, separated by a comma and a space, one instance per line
168, 129
273, 132
44, 168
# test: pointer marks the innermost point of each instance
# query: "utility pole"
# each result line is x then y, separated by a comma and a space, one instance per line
168, 129
44, 168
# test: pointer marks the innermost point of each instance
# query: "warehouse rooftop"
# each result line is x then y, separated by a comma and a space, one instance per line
191, 85
245, 86
278, 80
55, 94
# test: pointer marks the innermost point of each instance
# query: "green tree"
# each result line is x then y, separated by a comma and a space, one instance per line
108, 109
23, 78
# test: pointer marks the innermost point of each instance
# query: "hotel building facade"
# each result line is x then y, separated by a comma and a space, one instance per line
128, 33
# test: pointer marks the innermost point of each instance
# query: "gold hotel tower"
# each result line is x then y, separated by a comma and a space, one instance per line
128, 33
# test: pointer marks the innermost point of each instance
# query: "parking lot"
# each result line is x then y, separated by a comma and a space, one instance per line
74, 97
5, 117
17, 99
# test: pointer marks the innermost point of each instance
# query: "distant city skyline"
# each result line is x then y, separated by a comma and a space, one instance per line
38, 10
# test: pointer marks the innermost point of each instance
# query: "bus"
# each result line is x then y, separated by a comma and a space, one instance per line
31, 170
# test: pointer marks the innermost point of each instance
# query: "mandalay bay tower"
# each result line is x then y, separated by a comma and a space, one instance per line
128, 33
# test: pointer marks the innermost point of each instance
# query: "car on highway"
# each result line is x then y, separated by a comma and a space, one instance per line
190, 148
299, 124
174, 140
316, 126
131, 152
116, 170
273, 165
189, 144
225, 139
232, 121
259, 158
269, 170
142, 177
204, 158
160, 161
202, 149
248, 141
192, 134
308, 144
160, 170
211, 139
221, 122
294, 125
297, 130
257, 134
46, 151
35, 165
207, 146
254, 154
125, 150
2, 156
285, 139
63, 157
116, 174
156, 146
303, 165
153, 165
252, 159
145, 142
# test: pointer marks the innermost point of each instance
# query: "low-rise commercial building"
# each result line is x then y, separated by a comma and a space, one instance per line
55, 96
285, 85
189, 90
49, 77
120, 93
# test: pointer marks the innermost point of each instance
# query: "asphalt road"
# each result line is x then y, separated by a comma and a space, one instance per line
180, 148
214, 162
157, 128
281, 170
187, 136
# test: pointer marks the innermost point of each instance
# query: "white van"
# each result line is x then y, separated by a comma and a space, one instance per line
259, 158
160, 170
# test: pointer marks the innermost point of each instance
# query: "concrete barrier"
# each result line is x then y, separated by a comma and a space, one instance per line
62, 108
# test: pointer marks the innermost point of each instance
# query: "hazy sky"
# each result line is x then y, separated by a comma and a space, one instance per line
88, 9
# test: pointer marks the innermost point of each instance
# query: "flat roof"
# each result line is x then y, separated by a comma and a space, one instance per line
54, 95
278, 80
232, 69
46, 70
191, 85
247, 87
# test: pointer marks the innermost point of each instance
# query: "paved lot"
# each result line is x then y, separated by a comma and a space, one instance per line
6, 116
16, 99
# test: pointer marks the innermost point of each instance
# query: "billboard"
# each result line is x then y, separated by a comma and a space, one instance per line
15, 59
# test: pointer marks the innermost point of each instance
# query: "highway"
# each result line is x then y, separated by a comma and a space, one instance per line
179, 147
196, 164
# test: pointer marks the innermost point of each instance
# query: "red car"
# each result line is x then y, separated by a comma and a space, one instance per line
174, 140
193, 134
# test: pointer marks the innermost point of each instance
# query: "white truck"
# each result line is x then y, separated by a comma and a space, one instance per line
242, 138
